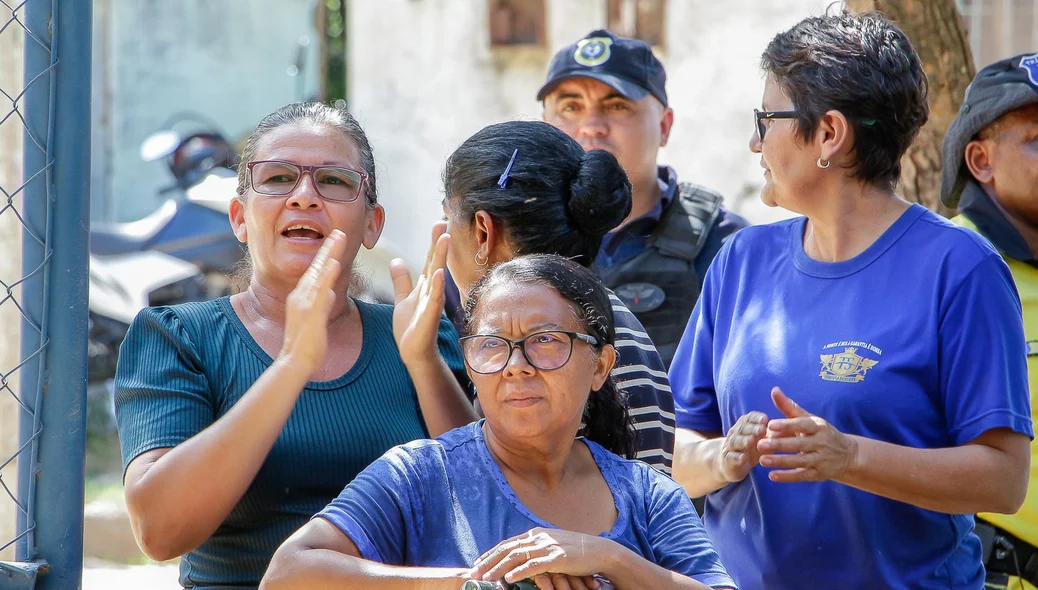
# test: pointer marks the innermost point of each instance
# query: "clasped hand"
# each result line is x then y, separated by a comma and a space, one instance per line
800, 447
553, 559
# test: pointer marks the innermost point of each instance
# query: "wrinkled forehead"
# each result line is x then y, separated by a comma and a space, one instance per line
507, 308
775, 97
585, 89
309, 143
1024, 117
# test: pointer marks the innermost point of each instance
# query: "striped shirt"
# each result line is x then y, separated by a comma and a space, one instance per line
641, 376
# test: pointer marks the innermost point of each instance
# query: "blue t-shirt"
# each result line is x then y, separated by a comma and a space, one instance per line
444, 502
917, 341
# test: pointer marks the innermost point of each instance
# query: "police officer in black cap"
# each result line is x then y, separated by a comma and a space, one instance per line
608, 92
990, 172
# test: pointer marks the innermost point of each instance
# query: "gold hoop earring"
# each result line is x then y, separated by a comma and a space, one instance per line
820, 165
478, 263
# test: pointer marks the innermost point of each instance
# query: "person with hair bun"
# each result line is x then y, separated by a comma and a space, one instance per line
525, 187
542, 489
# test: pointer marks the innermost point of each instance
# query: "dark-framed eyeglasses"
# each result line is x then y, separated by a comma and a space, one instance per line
547, 350
759, 116
279, 178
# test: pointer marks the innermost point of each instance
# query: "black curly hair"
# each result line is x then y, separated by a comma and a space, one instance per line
557, 198
607, 420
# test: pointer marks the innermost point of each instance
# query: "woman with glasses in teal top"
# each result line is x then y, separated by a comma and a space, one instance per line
240, 418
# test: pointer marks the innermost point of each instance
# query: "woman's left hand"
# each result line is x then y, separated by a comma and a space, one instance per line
416, 316
804, 447
554, 559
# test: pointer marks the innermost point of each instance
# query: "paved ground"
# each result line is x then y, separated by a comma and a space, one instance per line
100, 575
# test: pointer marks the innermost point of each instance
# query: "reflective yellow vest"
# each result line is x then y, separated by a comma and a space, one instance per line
1023, 524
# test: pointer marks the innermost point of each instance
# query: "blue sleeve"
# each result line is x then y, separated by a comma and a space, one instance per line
692, 369
983, 355
380, 510
162, 395
679, 541
450, 350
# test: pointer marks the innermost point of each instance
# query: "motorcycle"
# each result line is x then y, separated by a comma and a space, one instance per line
192, 223
119, 287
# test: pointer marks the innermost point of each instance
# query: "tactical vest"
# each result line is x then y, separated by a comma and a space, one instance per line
660, 284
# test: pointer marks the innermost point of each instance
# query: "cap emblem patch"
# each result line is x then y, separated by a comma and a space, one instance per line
1029, 64
593, 51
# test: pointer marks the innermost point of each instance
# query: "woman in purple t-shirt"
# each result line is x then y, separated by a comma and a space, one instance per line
537, 489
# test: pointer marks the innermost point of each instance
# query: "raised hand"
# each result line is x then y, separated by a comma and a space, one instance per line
803, 446
309, 305
416, 317
739, 452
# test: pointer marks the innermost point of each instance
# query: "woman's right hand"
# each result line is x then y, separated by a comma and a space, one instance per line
419, 308
309, 306
739, 454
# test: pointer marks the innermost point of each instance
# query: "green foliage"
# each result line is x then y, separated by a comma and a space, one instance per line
335, 45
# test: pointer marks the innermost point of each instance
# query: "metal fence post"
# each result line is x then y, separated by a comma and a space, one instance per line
55, 243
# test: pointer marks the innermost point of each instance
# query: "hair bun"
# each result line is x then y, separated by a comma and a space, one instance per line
600, 194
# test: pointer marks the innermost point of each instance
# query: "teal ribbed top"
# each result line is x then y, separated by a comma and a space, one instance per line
183, 367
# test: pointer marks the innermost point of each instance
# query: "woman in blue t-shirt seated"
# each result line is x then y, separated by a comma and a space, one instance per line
240, 418
539, 489
524, 187
852, 386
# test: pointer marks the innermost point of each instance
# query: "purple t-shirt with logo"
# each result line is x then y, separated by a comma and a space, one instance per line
917, 341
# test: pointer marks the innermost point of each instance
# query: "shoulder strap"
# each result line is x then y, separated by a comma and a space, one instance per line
686, 224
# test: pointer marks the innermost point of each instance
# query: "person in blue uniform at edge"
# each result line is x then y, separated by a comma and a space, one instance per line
609, 92
580, 195
990, 173
240, 418
852, 386
542, 489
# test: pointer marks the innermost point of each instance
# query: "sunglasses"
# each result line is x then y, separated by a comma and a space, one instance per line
278, 178
759, 116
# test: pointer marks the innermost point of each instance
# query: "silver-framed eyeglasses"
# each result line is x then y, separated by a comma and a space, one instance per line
279, 178
547, 350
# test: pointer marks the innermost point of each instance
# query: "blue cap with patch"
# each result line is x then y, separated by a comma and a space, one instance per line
1001, 87
626, 65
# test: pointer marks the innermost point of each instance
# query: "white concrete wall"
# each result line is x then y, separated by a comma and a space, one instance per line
422, 78
11, 44
226, 60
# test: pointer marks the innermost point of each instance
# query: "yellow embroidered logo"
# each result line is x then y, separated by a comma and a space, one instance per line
847, 366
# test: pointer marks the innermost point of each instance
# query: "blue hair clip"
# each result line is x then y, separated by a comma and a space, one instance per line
503, 180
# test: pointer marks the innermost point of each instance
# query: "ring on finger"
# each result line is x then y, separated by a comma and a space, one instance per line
527, 553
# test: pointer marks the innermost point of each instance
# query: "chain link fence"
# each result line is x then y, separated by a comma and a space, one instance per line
44, 205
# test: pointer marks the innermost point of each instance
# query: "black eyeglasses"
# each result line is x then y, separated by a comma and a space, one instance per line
759, 116
546, 350
278, 178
